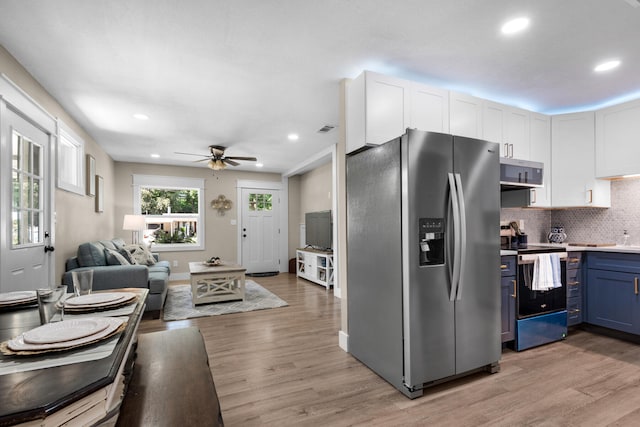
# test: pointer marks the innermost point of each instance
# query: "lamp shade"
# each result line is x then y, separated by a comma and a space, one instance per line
133, 222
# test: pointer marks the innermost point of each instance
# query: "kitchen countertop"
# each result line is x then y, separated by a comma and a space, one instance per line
617, 248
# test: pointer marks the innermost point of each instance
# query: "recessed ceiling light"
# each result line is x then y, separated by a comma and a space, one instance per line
259, 165
293, 137
155, 156
140, 116
515, 25
606, 66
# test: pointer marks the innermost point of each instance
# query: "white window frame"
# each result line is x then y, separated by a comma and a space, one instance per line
173, 183
70, 160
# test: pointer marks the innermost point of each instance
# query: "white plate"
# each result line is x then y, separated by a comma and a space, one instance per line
67, 330
96, 299
18, 296
18, 344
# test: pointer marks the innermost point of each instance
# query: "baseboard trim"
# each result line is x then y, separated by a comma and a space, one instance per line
343, 341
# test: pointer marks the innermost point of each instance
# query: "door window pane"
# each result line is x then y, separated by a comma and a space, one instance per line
26, 199
260, 202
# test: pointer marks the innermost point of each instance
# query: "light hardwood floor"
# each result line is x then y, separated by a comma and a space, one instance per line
284, 367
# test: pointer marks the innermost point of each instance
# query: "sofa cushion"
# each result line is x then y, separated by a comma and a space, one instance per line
157, 282
141, 254
113, 257
91, 255
108, 244
118, 242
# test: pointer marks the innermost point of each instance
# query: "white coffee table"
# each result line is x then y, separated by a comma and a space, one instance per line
224, 282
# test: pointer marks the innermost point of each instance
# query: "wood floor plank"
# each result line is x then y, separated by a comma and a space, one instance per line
284, 367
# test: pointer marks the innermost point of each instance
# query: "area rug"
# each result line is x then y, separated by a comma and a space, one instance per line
179, 304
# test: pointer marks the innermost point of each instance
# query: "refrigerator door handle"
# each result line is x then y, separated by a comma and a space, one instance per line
463, 236
455, 276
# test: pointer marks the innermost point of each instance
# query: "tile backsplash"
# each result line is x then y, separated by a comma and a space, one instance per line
587, 225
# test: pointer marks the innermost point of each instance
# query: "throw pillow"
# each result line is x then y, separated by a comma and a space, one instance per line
91, 255
141, 254
114, 258
125, 253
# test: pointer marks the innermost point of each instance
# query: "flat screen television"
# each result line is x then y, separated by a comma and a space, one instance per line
319, 230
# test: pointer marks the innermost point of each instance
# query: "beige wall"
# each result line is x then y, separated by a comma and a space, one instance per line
294, 215
315, 190
76, 219
221, 237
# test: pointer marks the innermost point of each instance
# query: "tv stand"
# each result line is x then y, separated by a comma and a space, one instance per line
315, 265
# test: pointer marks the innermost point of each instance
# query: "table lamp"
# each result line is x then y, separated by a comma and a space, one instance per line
134, 223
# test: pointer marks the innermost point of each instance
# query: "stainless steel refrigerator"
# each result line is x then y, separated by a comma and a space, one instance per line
423, 258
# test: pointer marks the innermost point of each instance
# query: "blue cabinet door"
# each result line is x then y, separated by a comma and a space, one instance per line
508, 290
612, 300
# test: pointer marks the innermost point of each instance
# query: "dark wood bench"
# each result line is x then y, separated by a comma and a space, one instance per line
171, 383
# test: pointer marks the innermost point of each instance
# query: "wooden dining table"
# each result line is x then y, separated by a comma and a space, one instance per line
88, 392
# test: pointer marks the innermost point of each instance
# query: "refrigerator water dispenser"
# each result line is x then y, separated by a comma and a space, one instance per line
431, 240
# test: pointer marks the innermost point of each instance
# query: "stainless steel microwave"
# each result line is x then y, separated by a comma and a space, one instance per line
517, 174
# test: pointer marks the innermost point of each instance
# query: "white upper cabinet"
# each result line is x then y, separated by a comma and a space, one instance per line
617, 135
540, 142
573, 163
429, 108
509, 127
465, 115
377, 109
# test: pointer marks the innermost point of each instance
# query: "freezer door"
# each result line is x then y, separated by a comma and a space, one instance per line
374, 264
429, 345
477, 311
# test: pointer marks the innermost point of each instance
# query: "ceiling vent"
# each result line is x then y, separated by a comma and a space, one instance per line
634, 3
326, 129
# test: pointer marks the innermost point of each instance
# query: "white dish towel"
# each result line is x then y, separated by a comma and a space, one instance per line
546, 273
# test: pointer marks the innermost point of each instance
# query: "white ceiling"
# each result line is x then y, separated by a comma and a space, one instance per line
245, 73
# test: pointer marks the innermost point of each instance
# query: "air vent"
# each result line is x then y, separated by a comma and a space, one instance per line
326, 129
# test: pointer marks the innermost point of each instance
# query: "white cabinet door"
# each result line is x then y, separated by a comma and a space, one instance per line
540, 142
516, 133
573, 162
617, 135
509, 127
465, 115
377, 109
429, 108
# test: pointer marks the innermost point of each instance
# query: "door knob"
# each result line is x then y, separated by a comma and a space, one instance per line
49, 249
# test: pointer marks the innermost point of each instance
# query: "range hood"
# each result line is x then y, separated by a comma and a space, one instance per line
518, 174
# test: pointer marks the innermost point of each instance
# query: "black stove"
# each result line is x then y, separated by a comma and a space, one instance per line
540, 249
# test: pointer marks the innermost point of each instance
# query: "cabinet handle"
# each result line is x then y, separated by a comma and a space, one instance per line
635, 285
515, 289
503, 267
506, 150
533, 194
590, 198
574, 260
511, 151
574, 311
574, 283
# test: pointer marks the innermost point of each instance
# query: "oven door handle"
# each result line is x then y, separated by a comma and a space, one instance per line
455, 273
463, 235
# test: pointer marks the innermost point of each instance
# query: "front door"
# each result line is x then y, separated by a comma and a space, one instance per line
260, 230
24, 216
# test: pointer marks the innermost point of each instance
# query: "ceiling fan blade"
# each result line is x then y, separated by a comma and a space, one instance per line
249, 159
206, 159
230, 162
191, 154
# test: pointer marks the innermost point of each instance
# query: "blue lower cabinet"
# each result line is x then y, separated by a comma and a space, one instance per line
613, 300
508, 290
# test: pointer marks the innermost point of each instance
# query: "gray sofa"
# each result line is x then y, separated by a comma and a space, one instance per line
108, 273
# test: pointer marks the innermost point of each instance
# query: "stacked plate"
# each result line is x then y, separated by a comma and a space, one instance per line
100, 301
11, 299
65, 335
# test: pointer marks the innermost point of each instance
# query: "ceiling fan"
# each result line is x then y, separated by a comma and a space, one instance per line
217, 160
